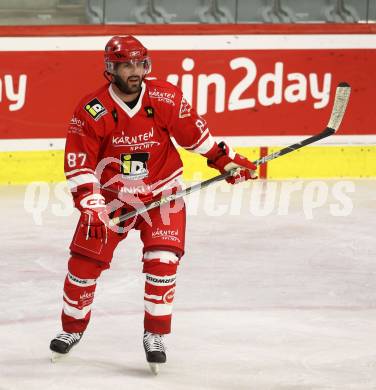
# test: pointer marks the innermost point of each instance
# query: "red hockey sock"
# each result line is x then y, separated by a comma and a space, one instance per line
79, 288
159, 294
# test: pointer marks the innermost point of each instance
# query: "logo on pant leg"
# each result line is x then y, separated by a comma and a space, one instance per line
168, 297
166, 234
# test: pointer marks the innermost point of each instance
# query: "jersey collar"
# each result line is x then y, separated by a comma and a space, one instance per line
131, 112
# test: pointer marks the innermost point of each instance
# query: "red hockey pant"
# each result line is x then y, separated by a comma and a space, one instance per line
163, 241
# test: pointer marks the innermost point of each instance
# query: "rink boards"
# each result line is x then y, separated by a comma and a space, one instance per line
322, 161
259, 87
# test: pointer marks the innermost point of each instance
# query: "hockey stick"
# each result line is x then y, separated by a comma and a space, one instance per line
339, 107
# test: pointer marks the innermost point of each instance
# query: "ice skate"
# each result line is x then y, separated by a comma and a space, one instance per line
155, 350
63, 343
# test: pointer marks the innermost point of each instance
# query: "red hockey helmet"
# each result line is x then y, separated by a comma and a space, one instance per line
125, 49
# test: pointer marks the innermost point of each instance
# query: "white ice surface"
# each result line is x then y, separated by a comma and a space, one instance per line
275, 302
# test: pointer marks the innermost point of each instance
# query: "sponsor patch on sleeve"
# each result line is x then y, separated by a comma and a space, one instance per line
96, 109
76, 126
185, 109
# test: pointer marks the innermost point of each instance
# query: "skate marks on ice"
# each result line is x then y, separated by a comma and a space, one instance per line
102, 366
262, 303
255, 349
286, 349
114, 366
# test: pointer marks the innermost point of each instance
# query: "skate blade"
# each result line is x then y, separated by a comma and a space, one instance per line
154, 367
57, 356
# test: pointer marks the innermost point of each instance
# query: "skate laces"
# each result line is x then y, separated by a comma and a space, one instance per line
68, 338
154, 342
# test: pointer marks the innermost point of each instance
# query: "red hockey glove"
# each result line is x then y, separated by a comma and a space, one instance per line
227, 159
96, 222
94, 217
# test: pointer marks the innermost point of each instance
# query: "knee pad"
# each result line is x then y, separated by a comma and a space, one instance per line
85, 268
160, 263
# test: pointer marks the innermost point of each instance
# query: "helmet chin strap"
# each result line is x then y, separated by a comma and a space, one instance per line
107, 76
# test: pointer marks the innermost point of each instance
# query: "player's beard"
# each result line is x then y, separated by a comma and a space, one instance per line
127, 87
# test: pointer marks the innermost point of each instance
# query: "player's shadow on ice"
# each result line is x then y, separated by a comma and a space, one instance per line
118, 367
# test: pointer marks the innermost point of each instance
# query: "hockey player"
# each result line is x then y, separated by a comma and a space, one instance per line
118, 155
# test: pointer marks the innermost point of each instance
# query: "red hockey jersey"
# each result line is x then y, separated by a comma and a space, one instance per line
130, 150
